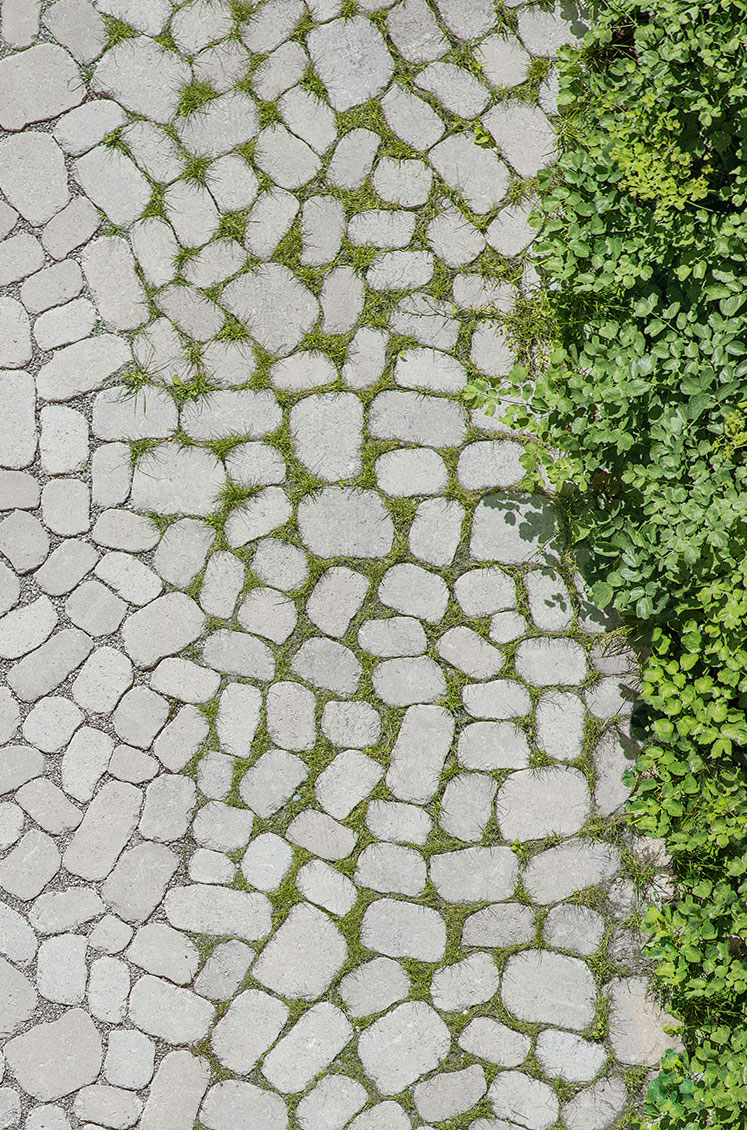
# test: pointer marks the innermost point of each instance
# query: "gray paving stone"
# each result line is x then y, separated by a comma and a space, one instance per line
27, 627
321, 835
269, 220
114, 183
366, 358
403, 823
331, 1103
18, 439
11, 823
504, 61
573, 865
454, 239
252, 1023
182, 551
466, 806
599, 1105
527, 1099
309, 118
450, 1093
500, 926
494, 1042
51, 723
455, 88
178, 1087
206, 909
396, 635
265, 511
95, 609
19, 999
231, 182
536, 803
403, 682
513, 532
322, 227
61, 972
230, 1102
56, 1058
81, 367
324, 886
129, 1059
255, 297
222, 827
38, 85
477, 173
422, 1040
575, 928
268, 613
353, 158
419, 753
549, 988
474, 874
410, 417
397, 928
345, 522
19, 256
355, 724
523, 135
346, 782
169, 803
107, 825
493, 745
415, 33
499, 698
143, 78
162, 628
19, 490
42, 670
464, 648
326, 430
302, 956
18, 940
411, 472
138, 881
636, 1023
164, 952
167, 1012
271, 781
545, 662
391, 869
66, 506
569, 1057
373, 987
255, 464
15, 336
130, 578
381, 227
266, 861
71, 227
85, 762
310, 1046
223, 971
543, 32
351, 59
403, 182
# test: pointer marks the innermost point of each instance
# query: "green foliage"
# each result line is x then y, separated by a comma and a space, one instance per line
632, 359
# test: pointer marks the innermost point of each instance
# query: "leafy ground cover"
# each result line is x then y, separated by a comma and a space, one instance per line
632, 379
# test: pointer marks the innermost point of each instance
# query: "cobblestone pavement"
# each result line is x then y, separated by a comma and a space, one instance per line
312, 745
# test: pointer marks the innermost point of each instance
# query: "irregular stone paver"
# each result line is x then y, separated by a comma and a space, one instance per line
288, 661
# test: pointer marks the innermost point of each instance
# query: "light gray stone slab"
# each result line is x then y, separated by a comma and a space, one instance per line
303, 956
450, 1093
230, 1103
494, 1042
251, 1025
422, 1040
397, 928
529, 1100
308, 1048
474, 874
351, 59
143, 78
56, 1058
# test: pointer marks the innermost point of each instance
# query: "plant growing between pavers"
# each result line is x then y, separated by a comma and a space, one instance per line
632, 383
